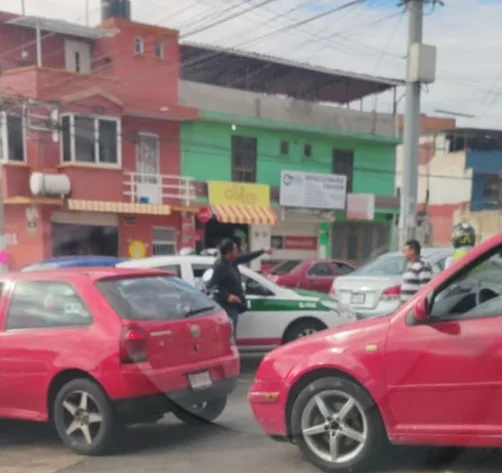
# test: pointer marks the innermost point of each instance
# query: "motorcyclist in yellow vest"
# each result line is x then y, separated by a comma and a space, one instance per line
463, 239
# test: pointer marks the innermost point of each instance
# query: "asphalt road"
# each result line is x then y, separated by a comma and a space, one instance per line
234, 444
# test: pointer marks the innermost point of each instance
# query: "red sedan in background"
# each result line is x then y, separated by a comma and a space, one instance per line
310, 274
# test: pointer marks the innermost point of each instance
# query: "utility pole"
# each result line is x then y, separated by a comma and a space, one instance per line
421, 69
409, 188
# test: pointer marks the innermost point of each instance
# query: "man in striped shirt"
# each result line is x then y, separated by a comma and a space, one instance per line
418, 272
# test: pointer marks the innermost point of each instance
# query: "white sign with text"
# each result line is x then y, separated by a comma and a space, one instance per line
313, 190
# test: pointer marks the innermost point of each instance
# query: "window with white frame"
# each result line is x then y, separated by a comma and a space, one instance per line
12, 143
87, 139
147, 157
164, 241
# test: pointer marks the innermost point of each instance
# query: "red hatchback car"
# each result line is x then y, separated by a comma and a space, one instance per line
429, 374
310, 274
92, 349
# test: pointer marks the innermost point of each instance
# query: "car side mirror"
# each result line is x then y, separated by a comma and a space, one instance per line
421, 311
206, 277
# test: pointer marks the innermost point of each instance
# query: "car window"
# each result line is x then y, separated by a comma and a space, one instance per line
321, 269
476, 293
172, 268
254, 288
341, 269
285, 267
154, 298
46, 304
389, 264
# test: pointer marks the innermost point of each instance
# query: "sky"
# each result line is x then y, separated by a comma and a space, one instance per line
368, 38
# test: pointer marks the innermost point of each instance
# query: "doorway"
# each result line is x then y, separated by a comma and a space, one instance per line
215, 232
70, 240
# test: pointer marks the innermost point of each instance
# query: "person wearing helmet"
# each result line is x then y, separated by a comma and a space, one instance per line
463, 239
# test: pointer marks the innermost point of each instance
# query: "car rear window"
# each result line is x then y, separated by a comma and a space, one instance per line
285, 267
391, 265
155, 298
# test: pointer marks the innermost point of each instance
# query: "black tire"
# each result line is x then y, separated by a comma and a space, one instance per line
295, 331
376, 436
99, 403
201, 414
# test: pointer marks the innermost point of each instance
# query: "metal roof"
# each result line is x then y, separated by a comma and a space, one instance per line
61, 27
262, 73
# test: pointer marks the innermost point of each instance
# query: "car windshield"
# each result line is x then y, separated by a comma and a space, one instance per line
389, 264
285, 267
154, 298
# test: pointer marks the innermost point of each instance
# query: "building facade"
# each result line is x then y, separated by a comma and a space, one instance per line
90, 139
222, 147
459, 179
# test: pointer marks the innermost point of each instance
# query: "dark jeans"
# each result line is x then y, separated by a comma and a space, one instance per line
233, 313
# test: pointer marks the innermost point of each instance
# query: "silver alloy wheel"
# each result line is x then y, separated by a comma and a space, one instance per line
306, 332
82, 419
334, 426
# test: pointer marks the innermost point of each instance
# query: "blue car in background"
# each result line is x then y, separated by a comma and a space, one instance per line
73, 262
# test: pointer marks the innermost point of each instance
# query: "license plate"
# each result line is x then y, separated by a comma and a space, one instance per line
200, 380
357, 298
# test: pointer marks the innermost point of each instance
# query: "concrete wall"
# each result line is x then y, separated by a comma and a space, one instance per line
274, 108
444, 175
206, 155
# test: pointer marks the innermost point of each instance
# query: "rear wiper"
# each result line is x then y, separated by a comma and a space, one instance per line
199, 311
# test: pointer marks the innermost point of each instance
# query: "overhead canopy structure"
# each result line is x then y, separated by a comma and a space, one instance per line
261, 73
480, 139
60, 27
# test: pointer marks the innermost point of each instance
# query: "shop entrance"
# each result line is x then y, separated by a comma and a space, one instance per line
216, 232
72, 239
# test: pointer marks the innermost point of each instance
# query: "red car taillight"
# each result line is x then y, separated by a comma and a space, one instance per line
391, 293
133, 345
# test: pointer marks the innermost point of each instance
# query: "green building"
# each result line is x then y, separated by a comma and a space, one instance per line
250, 137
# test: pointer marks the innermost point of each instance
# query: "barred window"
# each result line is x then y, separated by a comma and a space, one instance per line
164, 241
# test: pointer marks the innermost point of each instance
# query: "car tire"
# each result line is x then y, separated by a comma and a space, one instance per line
356, 437
206, 412
302, 328
84, 418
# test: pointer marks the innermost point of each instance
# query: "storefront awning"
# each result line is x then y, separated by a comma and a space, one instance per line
246, 214
118, 207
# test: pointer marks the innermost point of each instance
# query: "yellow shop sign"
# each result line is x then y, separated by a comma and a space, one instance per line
236, 193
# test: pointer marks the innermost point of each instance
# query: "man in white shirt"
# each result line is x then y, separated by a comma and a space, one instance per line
418, 272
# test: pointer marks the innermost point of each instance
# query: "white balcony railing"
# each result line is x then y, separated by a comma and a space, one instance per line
159, 188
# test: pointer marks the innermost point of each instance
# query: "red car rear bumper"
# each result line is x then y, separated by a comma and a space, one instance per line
141, 380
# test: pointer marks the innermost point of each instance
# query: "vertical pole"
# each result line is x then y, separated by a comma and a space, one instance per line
408, 213
39, 46
3, 241
86, 12
23, 8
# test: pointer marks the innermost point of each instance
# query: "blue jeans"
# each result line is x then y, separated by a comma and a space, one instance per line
233, 313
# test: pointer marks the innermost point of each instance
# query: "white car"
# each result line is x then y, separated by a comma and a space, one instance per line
276, 314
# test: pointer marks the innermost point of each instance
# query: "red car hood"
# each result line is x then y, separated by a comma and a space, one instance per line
313, 350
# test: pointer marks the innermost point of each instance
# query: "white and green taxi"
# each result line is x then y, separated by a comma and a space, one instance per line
276, 315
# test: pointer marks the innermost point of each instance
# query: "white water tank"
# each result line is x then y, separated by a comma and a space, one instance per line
42, 184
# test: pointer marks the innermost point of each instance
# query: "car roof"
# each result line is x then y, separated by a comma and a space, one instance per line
90, 272
167, 260
427, 251
61, 259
